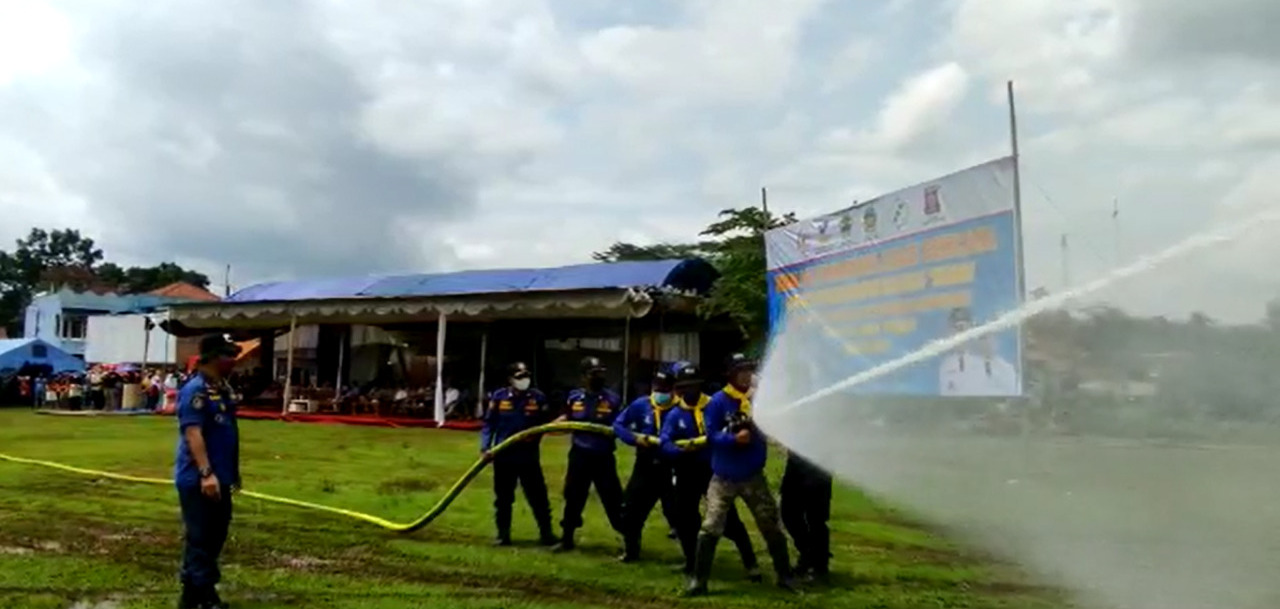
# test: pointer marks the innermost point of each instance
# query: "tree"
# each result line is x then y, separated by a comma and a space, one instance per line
145, 279
619, 252
735, 245
53, 259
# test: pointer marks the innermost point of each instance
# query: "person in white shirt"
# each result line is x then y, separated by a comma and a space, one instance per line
975, 368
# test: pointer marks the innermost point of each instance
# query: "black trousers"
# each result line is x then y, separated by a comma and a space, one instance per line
805, 504
693, 476
206, 524
589, 468
651, 482
520, 465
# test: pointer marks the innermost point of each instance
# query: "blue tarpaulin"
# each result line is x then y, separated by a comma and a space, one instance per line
694, 275
16, 352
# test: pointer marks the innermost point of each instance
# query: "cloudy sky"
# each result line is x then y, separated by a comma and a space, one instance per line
296, 138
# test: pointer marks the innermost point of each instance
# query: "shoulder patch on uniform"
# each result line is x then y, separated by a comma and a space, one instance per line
197, 401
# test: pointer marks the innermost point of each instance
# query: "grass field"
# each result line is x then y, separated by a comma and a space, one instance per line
67, 539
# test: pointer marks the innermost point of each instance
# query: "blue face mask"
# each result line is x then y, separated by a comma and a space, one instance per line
661, 398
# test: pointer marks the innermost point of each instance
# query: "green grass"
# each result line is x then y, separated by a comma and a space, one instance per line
66, 538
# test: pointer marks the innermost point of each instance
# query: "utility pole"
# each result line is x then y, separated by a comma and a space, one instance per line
1066, 264
226, 282
764, 200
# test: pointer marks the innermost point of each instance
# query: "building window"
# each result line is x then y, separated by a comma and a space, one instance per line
39, 351
73, 328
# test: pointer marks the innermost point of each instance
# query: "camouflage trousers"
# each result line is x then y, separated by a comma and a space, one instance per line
754, 492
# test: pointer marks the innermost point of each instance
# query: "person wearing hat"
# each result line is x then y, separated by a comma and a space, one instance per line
639, 425
738, 455
511, 410
591, 456
206, 469
691, 464
974, 368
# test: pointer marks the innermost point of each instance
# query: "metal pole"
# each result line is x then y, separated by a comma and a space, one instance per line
288, 363
440, 335
344, 335
626, 359
1017, 218
484, 358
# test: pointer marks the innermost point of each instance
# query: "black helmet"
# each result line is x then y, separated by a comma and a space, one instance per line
739, 361
518, 370
590, 364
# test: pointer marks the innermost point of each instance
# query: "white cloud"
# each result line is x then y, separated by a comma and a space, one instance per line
381, 135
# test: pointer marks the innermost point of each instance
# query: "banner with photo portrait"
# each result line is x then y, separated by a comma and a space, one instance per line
883, 278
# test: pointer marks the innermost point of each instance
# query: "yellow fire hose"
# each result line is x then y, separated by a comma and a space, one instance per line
396, 527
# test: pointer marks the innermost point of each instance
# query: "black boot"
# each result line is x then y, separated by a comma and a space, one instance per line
502, 540
190, 598
546, 534
212, 600
630, 549
777, 547
702, 565
566, 542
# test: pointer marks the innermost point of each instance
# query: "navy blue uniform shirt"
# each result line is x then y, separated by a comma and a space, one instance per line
209, 407
590, 407
643, 416
730, 460
509, 412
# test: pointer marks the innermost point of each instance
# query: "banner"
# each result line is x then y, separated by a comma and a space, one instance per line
883, 278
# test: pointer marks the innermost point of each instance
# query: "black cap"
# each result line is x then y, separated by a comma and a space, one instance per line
685, 372
518, 370
739, 361
214, 346
590, 364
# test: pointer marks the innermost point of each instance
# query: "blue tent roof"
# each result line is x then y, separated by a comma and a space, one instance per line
693, 274
16, 352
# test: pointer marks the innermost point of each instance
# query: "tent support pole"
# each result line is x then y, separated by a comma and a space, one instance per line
626, 359
288, 364
484, 361
441, 328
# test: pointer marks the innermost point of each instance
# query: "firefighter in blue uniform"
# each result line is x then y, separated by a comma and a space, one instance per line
691, 465
510, 410
651, 478
738, 454
591, 457
206, 470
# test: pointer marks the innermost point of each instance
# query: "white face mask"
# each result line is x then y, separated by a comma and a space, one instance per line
520, 384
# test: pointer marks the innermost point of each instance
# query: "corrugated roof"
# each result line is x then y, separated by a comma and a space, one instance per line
111, 302
693, 274
185, 291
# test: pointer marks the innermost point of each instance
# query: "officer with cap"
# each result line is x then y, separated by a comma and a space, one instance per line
738, 455
206, 469
651, 478
591, 457
691, 464
511, 410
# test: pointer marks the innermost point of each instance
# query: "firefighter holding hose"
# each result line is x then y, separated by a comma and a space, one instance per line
591, 458
738, 455
650, 481
511, 410
692, 467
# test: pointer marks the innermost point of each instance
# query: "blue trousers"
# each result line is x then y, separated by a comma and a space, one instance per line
207, 523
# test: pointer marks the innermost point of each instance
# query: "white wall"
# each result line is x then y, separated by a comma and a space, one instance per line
120, 339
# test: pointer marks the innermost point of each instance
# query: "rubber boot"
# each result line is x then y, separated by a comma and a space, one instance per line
781, 561
566, 543
702, 565
212, 600
630, 549
190, 598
